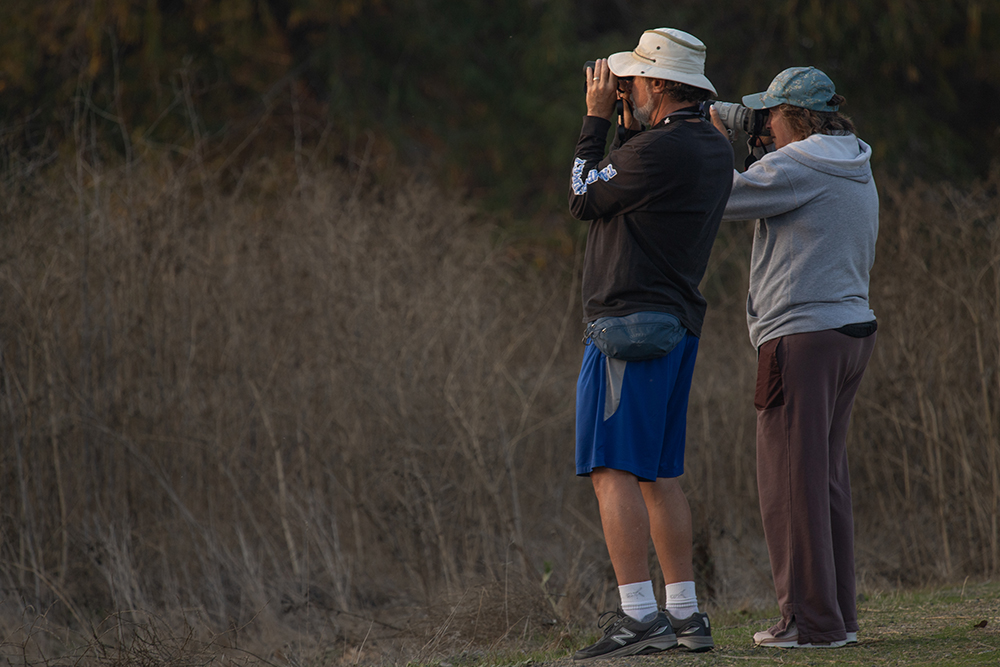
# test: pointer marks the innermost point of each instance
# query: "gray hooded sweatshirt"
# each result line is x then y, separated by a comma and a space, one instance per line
814, 243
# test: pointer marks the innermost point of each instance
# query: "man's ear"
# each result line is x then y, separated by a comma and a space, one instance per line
657, 85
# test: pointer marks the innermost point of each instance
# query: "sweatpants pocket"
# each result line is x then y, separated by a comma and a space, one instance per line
769, 392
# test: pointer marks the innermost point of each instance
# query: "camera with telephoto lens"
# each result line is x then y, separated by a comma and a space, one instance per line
738, 117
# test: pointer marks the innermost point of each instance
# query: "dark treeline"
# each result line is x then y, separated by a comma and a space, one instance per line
486, 96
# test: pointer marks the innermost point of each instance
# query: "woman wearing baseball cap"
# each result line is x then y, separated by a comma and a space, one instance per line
816, 207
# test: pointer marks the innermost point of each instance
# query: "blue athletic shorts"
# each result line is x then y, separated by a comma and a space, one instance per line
632, 416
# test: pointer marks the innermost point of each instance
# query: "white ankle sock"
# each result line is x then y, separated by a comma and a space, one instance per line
682, 601
638, 600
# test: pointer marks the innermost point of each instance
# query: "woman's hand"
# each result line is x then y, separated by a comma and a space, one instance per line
717, 122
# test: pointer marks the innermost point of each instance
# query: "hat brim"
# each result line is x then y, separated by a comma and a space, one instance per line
626, 63
758, 101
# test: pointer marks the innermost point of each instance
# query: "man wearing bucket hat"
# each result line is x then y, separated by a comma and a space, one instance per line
816, 206
655, 203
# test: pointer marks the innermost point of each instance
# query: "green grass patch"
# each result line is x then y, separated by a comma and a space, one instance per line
949, 626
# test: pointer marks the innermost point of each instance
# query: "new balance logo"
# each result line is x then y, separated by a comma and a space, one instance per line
659, 631
694, 625
623, 638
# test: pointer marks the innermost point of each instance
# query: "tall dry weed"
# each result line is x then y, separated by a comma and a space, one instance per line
275, 400
335, 417
928, 483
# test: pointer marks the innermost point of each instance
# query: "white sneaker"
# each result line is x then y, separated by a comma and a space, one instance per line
852, 638
790, 639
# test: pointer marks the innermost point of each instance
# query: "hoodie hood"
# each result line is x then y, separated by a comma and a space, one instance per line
842, 155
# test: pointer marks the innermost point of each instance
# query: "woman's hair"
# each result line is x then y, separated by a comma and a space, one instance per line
806, 122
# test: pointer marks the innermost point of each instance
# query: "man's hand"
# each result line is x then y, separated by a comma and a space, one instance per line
602, 87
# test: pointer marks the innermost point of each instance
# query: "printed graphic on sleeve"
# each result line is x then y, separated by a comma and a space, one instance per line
580, 185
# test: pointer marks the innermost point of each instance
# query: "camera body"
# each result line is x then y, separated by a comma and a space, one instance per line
738, 117
592, 64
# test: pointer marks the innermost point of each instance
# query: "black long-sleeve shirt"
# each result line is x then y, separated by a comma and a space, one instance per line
655, 204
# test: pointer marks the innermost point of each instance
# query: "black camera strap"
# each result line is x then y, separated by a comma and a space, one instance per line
751, 158
620, 108
754, 140
752, 144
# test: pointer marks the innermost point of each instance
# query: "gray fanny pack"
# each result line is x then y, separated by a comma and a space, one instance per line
636, 337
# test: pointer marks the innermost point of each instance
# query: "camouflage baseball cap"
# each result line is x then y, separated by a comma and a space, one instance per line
805, 87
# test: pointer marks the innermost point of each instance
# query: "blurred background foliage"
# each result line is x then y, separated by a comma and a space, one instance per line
485, 97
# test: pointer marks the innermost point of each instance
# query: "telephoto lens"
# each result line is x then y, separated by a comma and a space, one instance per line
738, 117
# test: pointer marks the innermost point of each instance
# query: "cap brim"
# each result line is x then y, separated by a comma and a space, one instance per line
625, 63
755, 101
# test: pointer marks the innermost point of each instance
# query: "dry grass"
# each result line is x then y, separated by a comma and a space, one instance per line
302, 403
926, 464
299, 418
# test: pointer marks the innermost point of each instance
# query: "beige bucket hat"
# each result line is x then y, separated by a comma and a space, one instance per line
665, 53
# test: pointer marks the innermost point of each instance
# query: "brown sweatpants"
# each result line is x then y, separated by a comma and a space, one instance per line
806, 385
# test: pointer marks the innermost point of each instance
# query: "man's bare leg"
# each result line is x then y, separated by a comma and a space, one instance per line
669, 516
625, 521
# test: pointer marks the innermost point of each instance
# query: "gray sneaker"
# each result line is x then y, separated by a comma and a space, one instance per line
623, 635
694, 632
790, 639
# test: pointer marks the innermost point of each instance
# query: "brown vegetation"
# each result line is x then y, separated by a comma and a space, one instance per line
295, 413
